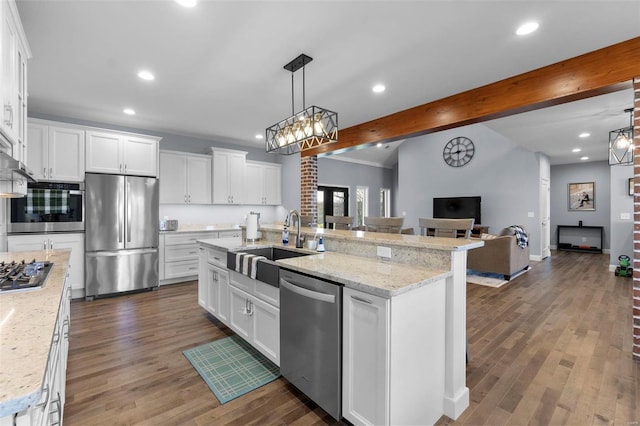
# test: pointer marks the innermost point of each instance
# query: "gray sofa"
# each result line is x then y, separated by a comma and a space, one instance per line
500, 254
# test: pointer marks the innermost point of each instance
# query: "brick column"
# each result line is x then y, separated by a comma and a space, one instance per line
636, 221
309, 186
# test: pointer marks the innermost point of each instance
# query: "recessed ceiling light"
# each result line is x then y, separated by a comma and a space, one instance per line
576, 150
129, 111
584, 158
187, 3
146, 75
584, 135
527, 28
378, 88
259, 136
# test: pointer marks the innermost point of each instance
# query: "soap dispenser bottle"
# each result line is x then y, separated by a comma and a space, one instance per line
285, 236
321, 244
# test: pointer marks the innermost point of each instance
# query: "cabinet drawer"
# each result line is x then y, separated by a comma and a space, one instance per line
187, 238
217, 257
182, 252
185, 268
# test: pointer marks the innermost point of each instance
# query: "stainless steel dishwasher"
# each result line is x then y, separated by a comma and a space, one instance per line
311, 338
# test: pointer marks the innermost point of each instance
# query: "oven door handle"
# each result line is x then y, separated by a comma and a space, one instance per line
322, 297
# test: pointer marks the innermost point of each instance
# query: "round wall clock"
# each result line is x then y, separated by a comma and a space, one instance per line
458, 151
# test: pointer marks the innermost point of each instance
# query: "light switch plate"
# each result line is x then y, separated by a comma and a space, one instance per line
531, 214
625, 216
384, 252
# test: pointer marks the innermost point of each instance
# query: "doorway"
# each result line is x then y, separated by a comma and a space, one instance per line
332, 201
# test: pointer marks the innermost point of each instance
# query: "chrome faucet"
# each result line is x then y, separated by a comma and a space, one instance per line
291, 213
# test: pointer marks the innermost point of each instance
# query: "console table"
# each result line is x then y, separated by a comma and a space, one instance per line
580, 238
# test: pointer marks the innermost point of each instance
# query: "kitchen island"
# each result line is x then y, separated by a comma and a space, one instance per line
34, 329
419, 288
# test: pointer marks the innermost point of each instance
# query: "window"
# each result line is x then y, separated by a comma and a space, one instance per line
362, 193
385, 202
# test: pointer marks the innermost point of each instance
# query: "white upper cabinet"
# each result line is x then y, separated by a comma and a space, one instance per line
121, 153
185, 178
55, 152
228, 176
14, 52
263, 182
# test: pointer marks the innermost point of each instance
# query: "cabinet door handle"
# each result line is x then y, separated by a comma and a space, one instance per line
8, 108
44, 172
50, 172
185, 198
45, 392
362, 299
125, 167
44, 244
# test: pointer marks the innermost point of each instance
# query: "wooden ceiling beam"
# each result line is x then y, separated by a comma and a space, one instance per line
595, 73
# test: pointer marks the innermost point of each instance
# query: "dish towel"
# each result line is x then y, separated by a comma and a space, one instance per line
247, 264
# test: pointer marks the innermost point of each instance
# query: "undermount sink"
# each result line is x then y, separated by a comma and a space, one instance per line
268, 271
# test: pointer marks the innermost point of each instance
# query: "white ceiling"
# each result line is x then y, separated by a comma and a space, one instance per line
219, 70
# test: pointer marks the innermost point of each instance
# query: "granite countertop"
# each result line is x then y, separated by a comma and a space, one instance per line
375, 276
203, 228
27, 321
404, 240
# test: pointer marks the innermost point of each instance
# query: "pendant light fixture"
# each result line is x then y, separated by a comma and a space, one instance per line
621, 143
309, 128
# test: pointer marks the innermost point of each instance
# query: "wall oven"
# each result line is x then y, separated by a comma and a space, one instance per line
48, 207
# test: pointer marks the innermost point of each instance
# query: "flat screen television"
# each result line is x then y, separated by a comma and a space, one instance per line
457, 208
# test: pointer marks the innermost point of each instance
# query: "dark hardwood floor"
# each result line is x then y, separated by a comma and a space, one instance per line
551, 347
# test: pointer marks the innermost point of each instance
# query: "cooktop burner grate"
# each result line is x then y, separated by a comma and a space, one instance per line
22, 275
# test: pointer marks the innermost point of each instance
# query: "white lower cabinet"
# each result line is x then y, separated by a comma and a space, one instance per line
55, 241
389, 381
49, 409
255, 321
179, 256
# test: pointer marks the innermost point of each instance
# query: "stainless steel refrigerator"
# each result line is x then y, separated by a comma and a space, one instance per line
121, 236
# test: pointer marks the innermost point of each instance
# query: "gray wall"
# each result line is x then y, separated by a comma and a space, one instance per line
349, 174
561, 177
291, 181
506, 176
621, 241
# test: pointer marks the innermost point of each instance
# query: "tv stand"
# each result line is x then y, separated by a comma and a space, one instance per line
587, 239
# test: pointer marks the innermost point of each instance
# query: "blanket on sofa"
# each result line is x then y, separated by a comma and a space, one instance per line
521, 236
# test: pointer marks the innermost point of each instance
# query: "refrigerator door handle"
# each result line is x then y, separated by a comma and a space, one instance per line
120, 214
128, 211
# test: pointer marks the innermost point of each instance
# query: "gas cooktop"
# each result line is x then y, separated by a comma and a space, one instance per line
23, 276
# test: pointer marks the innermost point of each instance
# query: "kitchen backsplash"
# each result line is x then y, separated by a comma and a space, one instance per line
210, 214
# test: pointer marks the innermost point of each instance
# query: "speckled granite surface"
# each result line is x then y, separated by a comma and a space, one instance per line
375, 276
190, 227
27, 321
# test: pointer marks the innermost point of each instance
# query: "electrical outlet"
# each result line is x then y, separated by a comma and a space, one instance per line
584, 239
384, 252
625, 216
531, 214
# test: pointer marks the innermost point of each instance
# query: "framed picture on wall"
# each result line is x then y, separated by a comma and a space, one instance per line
630, 186
582, 196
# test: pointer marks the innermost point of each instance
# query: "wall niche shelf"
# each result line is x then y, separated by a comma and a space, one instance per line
587, 239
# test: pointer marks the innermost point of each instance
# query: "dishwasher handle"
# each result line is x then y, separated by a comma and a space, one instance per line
322, 297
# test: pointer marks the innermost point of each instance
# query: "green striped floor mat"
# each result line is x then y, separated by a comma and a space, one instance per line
231, 367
